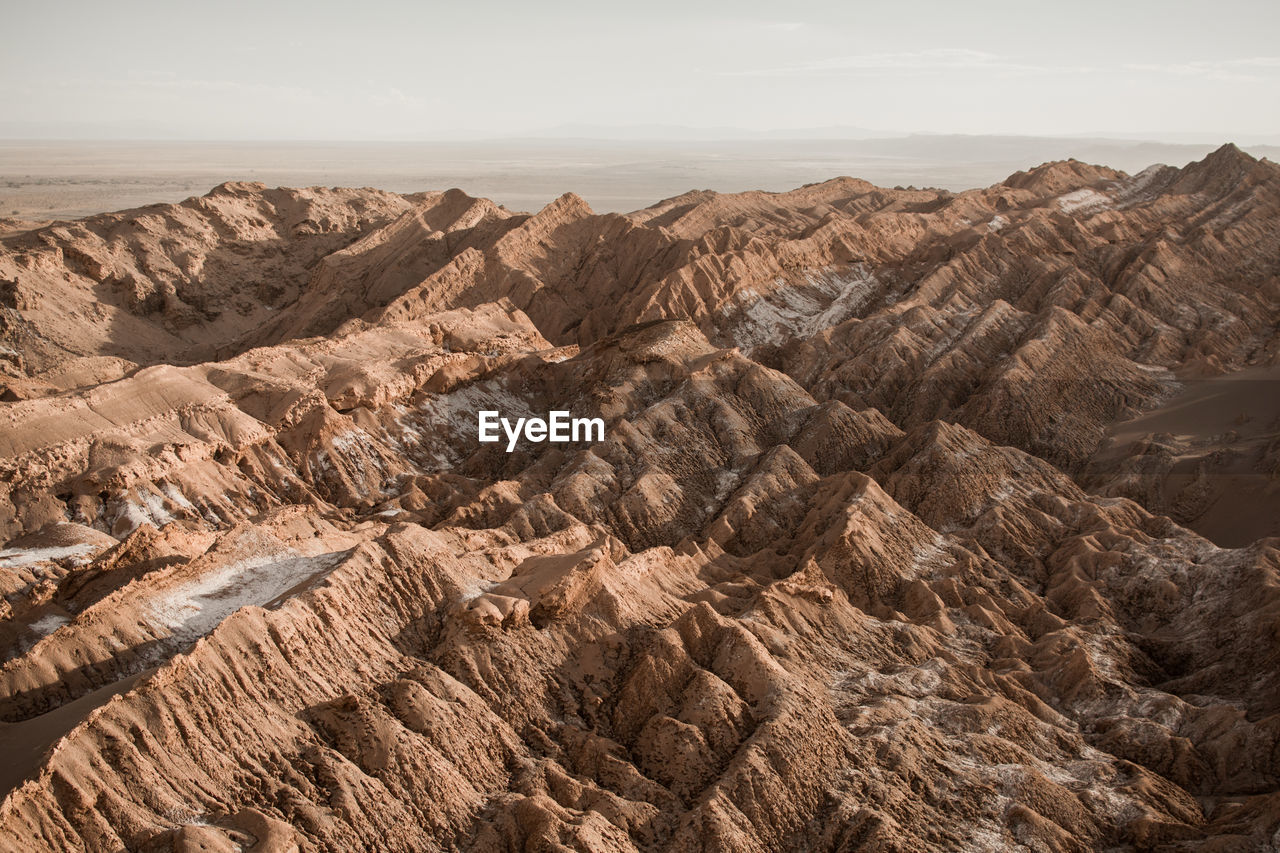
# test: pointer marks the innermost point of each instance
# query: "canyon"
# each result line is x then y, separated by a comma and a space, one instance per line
920, 520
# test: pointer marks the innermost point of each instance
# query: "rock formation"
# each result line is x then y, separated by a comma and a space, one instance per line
922, 520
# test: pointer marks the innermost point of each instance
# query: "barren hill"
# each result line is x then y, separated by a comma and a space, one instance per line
896, 538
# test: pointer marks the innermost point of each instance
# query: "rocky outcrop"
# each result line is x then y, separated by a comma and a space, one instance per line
890, 542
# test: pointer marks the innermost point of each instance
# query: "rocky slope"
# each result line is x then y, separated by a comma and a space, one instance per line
890, 544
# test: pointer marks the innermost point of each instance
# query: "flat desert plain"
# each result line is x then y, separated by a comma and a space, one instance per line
43, 180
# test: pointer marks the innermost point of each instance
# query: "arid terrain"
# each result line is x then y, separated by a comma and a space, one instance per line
57, 179
923, 520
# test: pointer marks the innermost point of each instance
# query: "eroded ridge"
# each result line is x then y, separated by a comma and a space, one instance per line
875, 552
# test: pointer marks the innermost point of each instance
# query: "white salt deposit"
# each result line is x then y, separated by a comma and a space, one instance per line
12, 558
195, 608
1084, 201
1137, 189
796, 311
447, 421
48, 623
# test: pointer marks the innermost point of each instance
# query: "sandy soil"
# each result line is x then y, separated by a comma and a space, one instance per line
24, 744
1218, 436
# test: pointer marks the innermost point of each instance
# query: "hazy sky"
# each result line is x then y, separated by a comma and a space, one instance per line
403, 70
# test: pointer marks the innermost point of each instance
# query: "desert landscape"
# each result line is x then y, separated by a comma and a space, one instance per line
43, 179
924, 519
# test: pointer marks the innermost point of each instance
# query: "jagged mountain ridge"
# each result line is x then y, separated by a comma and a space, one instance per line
827, 583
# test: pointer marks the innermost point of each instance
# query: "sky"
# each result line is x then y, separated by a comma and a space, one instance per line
386, 70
